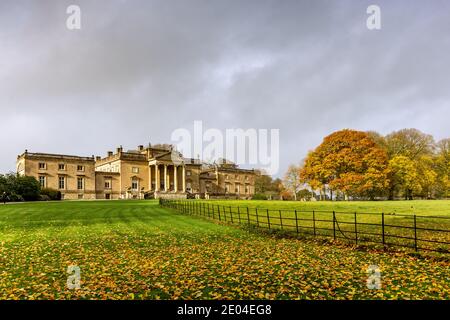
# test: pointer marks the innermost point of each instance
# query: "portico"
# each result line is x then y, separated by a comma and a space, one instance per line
167, 177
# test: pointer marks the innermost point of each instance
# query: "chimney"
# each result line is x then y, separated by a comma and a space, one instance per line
98, 158
110, 153
119, 149
140, 147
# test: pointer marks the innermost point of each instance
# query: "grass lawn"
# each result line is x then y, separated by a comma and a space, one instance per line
138, 250
419, 207
317, 218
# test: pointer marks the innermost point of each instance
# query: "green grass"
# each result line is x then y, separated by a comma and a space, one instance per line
419, 207
316, 218
138, 250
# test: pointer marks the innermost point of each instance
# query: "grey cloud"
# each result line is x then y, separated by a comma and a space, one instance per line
149, 67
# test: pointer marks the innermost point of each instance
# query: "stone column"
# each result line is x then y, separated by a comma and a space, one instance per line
184, 179
157, 183
149, 177
166, 187
175, 179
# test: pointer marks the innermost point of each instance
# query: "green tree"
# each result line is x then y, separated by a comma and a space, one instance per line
404, 176
410, 143
442, 167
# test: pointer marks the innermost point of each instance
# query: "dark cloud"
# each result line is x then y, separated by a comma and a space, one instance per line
140, 69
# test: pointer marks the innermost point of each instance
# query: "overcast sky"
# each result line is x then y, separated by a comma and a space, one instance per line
137, 70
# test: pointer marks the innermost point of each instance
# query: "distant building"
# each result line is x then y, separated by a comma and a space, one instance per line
158, 172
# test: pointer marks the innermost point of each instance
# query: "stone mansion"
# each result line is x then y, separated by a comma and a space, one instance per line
147, 172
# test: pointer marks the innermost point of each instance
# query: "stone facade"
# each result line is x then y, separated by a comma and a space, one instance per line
151, 172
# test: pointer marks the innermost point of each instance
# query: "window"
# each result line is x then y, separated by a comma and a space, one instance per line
61, 182
188, 187
61, 166
246, 189
236, 176
135, 170
188, 172
80, 196
107, 184
134, 185
246, 178
80, 168
42, 166
226, 177
80, 183
42, 181
236, 188
227, 187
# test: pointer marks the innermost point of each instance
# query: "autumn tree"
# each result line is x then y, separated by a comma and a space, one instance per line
347, 161
404, 175
410, 143
442, 167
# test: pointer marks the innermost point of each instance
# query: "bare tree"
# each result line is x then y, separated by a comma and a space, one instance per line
291, 180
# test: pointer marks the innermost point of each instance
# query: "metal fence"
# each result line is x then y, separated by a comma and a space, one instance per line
419, 233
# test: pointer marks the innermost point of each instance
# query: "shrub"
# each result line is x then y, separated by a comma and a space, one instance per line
44, 197
16, 198
51, 193
28, 188
259, 196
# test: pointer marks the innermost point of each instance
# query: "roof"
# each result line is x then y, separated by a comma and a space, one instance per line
27, 154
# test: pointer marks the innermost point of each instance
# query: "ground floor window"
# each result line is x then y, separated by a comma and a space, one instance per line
80, 183
61, 182
80, 196
42, 181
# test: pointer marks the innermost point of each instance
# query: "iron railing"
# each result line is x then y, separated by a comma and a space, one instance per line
419, 233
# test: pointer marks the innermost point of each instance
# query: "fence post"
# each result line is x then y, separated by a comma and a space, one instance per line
281, 221
248, 216
296, 221
218, 210
257, 218
382, 230
224, 213
415, 233
231, 214
334, 225
239, 214
314, 222
268, 219
209, 211
356, 231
